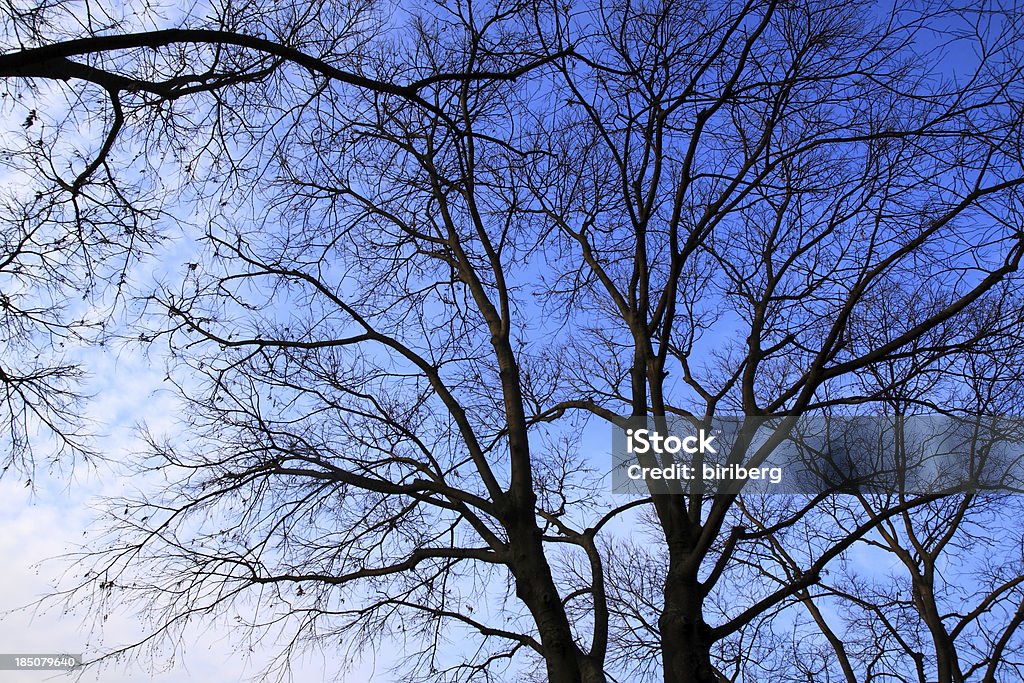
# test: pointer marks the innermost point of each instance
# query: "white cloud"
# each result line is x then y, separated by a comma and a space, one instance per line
54, 517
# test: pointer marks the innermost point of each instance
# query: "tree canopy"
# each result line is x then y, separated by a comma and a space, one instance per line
434, 241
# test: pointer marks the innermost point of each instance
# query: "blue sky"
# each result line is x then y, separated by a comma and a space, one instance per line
55, 516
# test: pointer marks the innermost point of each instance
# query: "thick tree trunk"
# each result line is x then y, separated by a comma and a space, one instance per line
535, 586
685, 637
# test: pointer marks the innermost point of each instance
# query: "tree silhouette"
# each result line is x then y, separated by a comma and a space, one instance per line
436, 240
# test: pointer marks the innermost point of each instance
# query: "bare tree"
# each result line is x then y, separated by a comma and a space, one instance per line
424, 270
759, 187
77, 217
953, 610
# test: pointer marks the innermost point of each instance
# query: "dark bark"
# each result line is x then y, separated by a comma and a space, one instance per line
685, 637
946, 661
535, 586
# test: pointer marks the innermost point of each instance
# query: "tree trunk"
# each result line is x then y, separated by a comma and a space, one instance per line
535, 586
685, 637
947, 666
